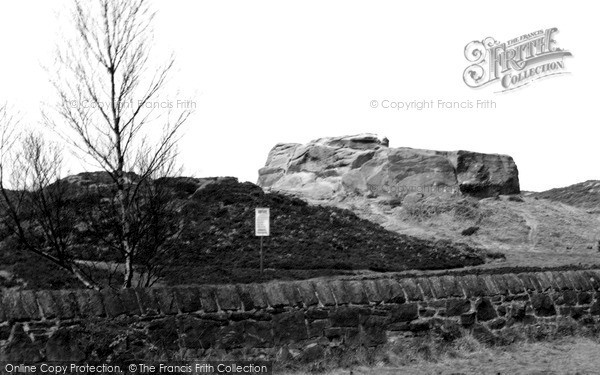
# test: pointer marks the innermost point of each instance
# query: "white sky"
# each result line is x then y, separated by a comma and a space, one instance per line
264, 72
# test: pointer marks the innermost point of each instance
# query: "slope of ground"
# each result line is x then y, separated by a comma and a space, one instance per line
530, 231
217, 242
584, 195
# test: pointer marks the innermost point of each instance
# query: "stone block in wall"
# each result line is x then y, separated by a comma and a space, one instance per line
436, 286
468, 319
498, 323
515, 285
527, 282
345, 316
563, 282
338, 288
315, 313
312, 353
501, 310
66, 302
534, 280
252, 296
307, 293
578, 311
374, 333
89, 303
231, 336
3, 317
316, 328
352, 337
291, 293
545, 280
404, 313
426, 312
517, 297
593, 278
20, 348
30, 306
584, 298
227, 297
391, 291
551, 277
448, 329
542, 304
130, 302
501, 283
190, 332
12, 306
566, 297
163, 334
47, 304
355, 292
289, 327
324, 293
275, 296
517, 311
334, 333
451, 286
148, 304
208, 299
258, 334
491, 287
426, 287
411, 289
165, 299
419, 326
188, 299
485, 310
484, 335
472, 286
65, 345
372, 290
207, 331
579, 280
456, 307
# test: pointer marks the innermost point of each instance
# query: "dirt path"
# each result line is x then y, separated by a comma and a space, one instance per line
532, 222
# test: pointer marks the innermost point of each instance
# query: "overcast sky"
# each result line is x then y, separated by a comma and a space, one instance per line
263, 72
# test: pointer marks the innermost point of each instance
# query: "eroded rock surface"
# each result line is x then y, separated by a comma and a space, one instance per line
364, 164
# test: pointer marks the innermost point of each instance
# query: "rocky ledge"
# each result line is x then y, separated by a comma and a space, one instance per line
364, 164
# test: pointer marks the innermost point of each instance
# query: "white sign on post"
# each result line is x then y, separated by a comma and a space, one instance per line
261, 227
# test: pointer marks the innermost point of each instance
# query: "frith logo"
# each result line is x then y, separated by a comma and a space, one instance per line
515, 63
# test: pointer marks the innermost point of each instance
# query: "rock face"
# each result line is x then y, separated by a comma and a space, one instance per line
363, 164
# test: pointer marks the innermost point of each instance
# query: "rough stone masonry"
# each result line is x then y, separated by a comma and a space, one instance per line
301, 320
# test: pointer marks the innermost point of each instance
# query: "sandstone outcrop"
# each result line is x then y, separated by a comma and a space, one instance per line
363, 164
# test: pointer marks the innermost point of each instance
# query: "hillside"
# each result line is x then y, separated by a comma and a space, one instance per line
457, 196
585, 195
528, 230
217, 242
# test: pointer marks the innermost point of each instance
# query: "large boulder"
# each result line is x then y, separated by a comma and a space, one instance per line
363, 164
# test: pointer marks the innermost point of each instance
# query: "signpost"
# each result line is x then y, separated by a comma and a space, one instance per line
261, 229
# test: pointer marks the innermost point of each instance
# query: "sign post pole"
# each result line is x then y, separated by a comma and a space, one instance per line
262, 229
261, 258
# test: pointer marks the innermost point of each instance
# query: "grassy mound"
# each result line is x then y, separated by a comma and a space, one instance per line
217, 242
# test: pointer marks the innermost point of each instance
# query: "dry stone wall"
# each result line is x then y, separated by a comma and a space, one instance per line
303, 320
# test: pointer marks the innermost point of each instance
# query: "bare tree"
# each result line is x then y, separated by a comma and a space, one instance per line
109, 106
35, 209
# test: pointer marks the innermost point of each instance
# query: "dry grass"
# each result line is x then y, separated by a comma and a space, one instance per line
570, 355
529, 231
